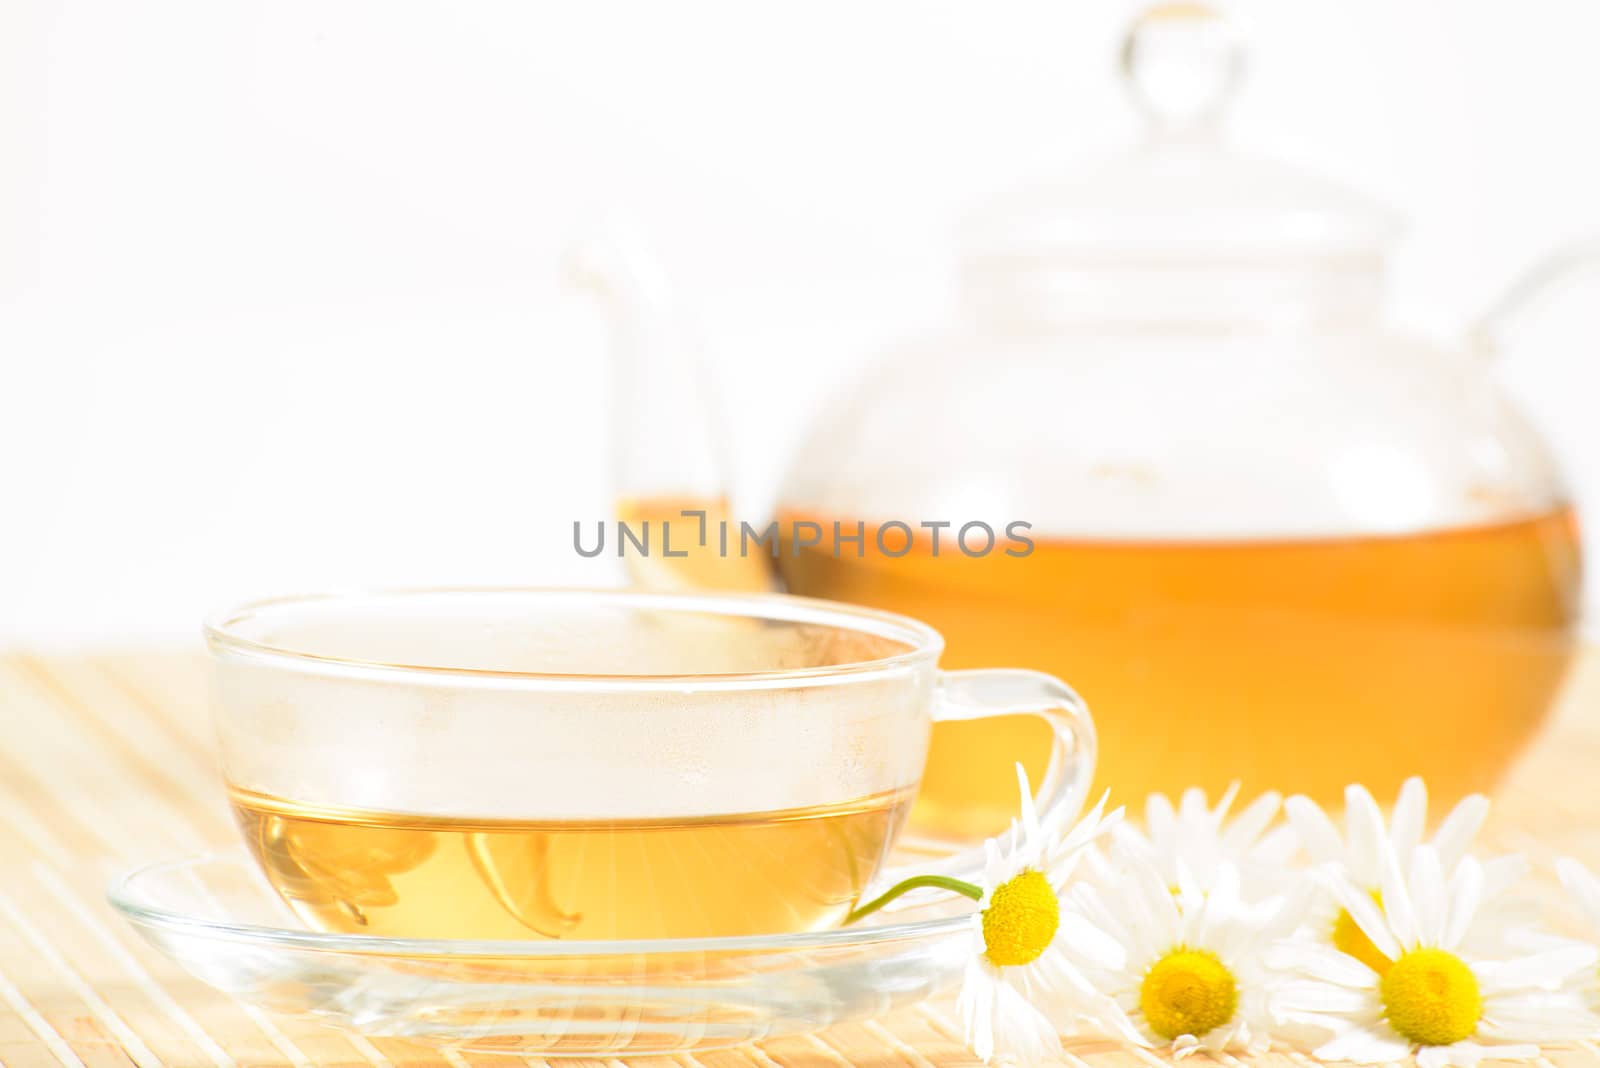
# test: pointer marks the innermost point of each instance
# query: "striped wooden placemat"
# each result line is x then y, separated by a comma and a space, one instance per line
105, 762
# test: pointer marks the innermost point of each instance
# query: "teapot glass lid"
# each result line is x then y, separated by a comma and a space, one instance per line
1183, 194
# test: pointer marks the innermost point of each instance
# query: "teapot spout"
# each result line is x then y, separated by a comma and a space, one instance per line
1552, 272
663, 437
667, 461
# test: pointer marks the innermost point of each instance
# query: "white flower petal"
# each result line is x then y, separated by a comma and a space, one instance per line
1087, 901
1060, 984
996, 867
1502, 873
1468, 1053
1127, 841
1323, 962
1397, 906
1217, 907
1029, 814
1455, 834
1159, 817
1235, 1036
1317, 834
1088, 942
1367, 915
1112, 1021
1364, 1045
1064, 853
1428, 896
1309, 995
1364, 834
1023, 1034
1274, 851
1539, 1016
1435, 1056
1095, 903
1330, 1022
1278, 917
1583, 887
1191, 894
1254, 1040
999, 1020
1410, 816
1547, 970
1249, 825
1192, 808
1160, 906
975, 1003
1466, 896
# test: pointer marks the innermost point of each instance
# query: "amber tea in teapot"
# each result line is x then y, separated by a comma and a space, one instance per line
1448, 643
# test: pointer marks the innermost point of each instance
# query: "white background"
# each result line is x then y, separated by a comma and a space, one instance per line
280, 304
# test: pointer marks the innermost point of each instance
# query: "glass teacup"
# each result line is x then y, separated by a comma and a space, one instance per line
516, 763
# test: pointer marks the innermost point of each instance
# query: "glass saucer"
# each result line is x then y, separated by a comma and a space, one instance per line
217, 917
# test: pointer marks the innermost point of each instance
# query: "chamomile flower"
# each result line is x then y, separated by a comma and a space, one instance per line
1201, 838
1357, 853
1193, 977
1434, 997
1019, 969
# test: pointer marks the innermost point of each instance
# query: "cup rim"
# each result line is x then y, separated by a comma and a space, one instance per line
924, 643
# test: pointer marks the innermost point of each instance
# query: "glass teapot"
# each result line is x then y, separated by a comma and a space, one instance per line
1170, 451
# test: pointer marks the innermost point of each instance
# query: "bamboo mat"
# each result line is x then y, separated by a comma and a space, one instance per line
105, 762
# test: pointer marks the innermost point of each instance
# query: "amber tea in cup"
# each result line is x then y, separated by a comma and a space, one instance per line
525, 764
399, 873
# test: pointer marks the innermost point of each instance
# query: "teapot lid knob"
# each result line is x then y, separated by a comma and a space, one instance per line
1183, 199
1181, 62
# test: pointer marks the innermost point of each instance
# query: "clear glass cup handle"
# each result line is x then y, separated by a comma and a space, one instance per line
986, 693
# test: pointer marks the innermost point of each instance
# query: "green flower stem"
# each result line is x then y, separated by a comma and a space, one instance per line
916, 882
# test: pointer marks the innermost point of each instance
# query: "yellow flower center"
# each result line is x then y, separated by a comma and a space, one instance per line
1348, 937
1431, 997
1021, 919
1188, 992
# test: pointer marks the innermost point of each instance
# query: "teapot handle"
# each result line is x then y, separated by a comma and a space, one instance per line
1554, 270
